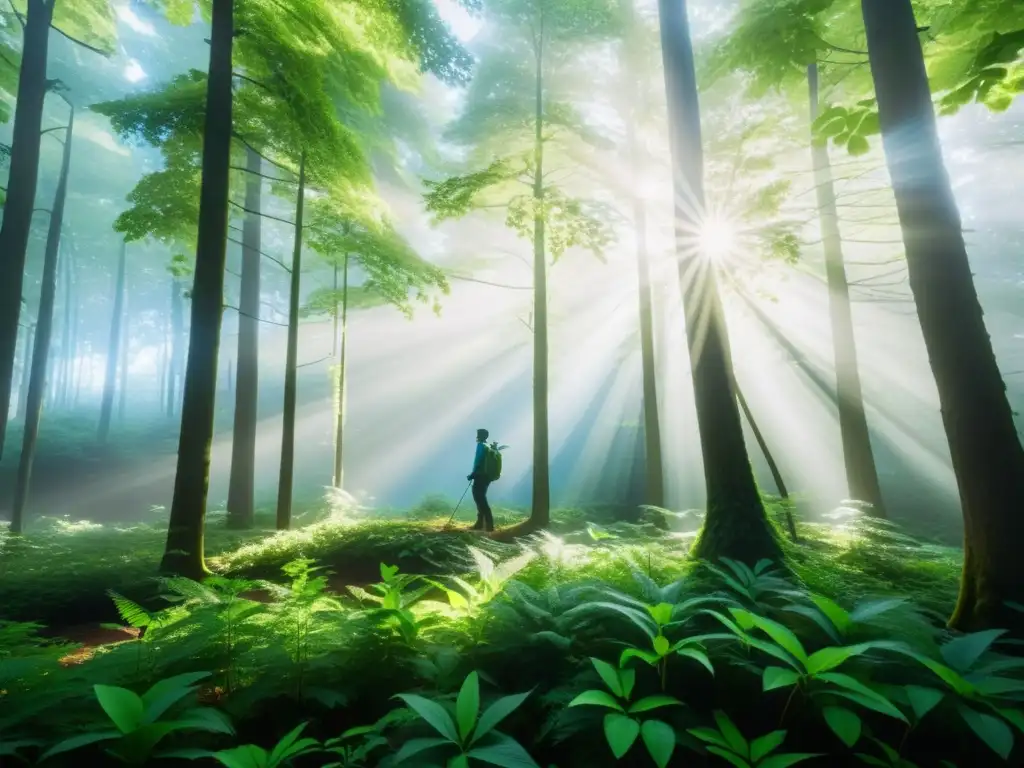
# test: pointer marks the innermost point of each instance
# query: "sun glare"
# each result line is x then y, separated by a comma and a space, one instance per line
718, 238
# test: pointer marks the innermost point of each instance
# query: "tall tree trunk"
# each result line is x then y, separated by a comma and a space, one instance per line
184, 550
339, 427
287, 476
655, 487
736, 525
540, 514
21, 191
26, 372
241, 503
177, 346
988, 459
162, 367
126, 341
861, 473
113, 349
70, 330
44, 331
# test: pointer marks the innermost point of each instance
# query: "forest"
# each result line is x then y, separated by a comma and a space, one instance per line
725, 295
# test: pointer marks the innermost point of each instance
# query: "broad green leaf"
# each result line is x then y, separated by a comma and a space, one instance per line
869, 702
883, 704
961, 653
922, 700
610, 675
77, 742
165, 693
765, 745
433, 713
661, 645
774, 650
504, 751
653, 702
699, 656
709, 735
597, 699
415, 746
858, 146
731, 757
994, 732
784, 761
783, 636
497, 712
660, 740
627, 677
732, 734
844, 723
123, 707
873, 608
1014, 716
467, 706
458, 761
661, 613
778, 677
830, 658
947, 675
620, 732
635, 653
203, 719
245, 756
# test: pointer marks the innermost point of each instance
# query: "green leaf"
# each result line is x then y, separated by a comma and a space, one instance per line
459, 761
203, 719
123, 707
922, 700
627, 678
732, 734
732, 757
497, 712
698, 656
947, 675
77, 742
961, 653
661, 613
1014, 716
878, 702
764, 745
844, 723
245, 756
505, 752
635, 653
653, 702
165, 693
778, 677
709, 735
858, 145
610, 675
660, 740
994, 732
620, 732
784, 761
598, 699
780, 634
433, 713
467, 706
661, 645
830, 658
415, 746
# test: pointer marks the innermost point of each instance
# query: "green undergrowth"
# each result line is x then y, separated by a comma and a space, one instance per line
598, 645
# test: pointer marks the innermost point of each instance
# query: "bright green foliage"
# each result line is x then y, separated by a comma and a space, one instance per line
90, 21
470, 735
251, 756
727, 742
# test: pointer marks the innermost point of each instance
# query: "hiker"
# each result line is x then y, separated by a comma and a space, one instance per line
481, 480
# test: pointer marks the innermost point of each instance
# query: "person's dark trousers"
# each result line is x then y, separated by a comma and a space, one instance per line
484, 518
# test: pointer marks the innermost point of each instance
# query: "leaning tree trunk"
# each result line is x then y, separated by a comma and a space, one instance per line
184, 550
44, 331
287, 476
339, 426
241, 503
177, 346
113, 350
861, 472
21, 190
26, 373
540, 514
988, 459
736, 525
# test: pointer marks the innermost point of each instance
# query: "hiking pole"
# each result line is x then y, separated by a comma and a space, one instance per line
446, 525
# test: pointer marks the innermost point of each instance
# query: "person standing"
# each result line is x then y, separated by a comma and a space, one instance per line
481, 481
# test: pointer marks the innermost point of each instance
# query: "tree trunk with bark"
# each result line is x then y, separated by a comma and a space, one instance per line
736, 525
26, 372
859, 459
540, 510
987, 455
287, 475
241, 501
21, 190
113, 350
339, 430
44, 332
177, 346
183, 554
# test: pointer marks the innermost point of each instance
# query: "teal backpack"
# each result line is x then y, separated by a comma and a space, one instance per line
492, 461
